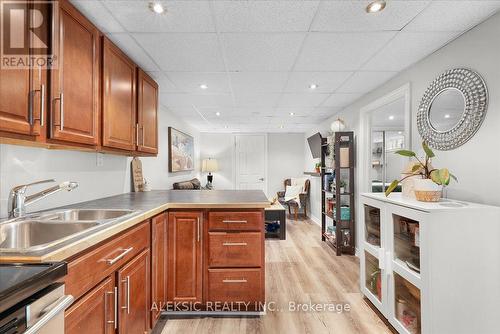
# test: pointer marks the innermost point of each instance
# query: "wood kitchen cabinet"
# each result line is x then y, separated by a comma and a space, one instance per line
158, 265
184, 271
133, 294
22, 90
147, 113
95, 312
74, 93
118, 99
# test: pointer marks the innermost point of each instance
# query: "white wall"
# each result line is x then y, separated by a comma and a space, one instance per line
20, 165
477, 163
285, 158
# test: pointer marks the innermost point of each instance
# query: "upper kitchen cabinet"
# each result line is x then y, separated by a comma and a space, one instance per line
118, 99
74, 98
147, 113
22, 90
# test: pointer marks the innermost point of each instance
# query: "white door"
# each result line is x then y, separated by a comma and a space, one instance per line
251, 159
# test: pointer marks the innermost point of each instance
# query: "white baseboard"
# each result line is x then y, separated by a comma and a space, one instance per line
315, 219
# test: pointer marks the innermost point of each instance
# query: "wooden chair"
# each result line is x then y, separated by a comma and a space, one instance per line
303, 197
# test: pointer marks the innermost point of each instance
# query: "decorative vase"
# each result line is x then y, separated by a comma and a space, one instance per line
427, 191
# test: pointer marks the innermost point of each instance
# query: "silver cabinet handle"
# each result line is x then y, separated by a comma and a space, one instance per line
137, 134
59, 306
234, 280
42, 105
61, 110
125, 252
115, 308
142, 131
127, 302
235, 221
234, 244
198, 232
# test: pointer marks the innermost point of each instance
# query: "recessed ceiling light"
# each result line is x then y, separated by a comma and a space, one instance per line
156, 7
282, 126
391, 118
225, 126
400, 132
375, 6
313, 86
447, 116
203, 86
292, 114
217, 113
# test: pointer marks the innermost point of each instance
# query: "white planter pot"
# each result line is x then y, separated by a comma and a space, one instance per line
427, 191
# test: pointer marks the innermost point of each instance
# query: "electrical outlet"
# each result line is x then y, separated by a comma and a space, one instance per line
99, 159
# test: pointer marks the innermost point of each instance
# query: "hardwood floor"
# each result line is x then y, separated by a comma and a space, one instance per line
300, 269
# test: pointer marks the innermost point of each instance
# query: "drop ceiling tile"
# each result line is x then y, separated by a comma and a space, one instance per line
453, 15
211, 100
97, 13
183, 51
133, 50
302, 99
327, 81
407, 48
256, 82
352, 16
276, 16
191, 81
261, 51
297, 111
164, 83
340, 51
258, 100
340, 100
179, 16
175, 100
363, 82
184, 112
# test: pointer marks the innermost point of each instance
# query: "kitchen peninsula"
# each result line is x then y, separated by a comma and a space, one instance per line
174, 246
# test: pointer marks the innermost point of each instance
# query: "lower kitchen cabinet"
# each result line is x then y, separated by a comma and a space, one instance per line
184, 281
133, 295
95, 312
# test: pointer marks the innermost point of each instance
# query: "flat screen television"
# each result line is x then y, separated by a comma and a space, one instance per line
315, 145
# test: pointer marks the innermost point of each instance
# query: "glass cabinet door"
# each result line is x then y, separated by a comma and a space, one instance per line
407, 242
373, 276
372, 225
407, 305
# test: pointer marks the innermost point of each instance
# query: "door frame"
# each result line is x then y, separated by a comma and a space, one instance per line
365, 130
266, 167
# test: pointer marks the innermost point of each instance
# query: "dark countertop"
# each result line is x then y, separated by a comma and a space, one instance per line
20, 281
145, 205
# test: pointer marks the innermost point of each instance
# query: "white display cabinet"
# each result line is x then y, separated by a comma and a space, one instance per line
431, 267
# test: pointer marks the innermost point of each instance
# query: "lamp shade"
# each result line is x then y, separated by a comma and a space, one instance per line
209, 165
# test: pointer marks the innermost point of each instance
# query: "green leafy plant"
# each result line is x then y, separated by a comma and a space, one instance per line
424, 169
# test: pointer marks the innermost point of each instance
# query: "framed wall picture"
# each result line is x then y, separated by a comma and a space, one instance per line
180, 151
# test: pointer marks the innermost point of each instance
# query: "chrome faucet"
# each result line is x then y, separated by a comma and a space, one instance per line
18, 199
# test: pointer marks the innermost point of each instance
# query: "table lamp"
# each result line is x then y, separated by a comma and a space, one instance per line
209, 165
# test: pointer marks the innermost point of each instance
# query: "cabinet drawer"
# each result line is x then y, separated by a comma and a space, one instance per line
232, 285
88, 269
241, 249
236, 220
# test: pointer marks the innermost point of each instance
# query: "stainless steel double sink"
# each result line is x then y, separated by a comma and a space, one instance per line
44, 230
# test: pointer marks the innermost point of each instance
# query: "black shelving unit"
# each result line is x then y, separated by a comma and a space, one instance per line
341, 237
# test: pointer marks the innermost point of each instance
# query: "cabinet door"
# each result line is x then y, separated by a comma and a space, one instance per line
184, 282
75, 81
158, 265
95, 312
21, 89
133, 294
119, 99
147, 111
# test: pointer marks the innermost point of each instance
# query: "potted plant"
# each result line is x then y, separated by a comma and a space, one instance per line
429, 187
318, 167
342, 185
